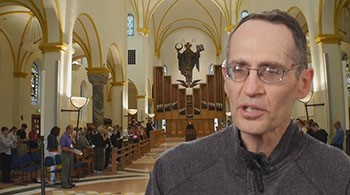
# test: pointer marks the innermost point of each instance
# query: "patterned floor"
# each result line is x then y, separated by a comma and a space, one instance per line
131, 181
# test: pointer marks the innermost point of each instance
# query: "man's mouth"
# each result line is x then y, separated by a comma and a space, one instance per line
251, 111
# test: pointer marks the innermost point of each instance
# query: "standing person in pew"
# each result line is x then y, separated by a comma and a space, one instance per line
67, 157
116, 137
149, 127
52, 147
99, 149
6, 143
107, 133
264, 152
83, 142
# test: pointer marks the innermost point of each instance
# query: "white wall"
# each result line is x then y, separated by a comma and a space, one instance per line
6, 85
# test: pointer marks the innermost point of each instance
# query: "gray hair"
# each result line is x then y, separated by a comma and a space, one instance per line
299, 54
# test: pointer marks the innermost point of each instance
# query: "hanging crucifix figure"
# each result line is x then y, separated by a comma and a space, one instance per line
187, 60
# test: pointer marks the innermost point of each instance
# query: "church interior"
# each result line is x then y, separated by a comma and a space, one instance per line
95, 62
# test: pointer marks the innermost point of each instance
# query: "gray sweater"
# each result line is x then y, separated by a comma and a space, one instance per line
219, 164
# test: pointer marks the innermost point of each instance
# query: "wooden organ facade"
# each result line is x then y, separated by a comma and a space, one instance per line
200, 106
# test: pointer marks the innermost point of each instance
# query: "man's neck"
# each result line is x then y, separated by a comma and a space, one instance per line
265, 143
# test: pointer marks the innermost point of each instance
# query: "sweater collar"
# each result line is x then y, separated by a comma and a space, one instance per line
236, 155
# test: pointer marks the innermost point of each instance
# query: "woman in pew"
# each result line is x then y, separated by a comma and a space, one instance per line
52, 147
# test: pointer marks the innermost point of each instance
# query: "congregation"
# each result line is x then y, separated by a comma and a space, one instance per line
312, 128
90, 142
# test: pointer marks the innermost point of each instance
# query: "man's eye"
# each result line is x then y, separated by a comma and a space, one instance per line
271, 70
237, 68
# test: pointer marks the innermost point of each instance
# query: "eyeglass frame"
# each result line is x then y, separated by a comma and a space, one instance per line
258, 71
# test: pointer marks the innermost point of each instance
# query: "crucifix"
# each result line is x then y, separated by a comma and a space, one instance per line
306, 101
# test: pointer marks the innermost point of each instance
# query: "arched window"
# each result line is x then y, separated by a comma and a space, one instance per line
165, 70
35, 87
131, 22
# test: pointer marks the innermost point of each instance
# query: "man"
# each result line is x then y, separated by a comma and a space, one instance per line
67, 157
264, 152
22, 140
319, 134
149, 127
338, 139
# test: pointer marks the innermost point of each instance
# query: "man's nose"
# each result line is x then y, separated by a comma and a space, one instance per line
253, 85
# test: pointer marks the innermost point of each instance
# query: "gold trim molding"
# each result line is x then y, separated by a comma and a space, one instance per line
50, 47
143, 31
229, 28
140, 96
327, 38
96, 70
20, 74
118, 83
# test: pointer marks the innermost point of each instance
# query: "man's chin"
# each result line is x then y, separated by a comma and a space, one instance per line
251, 128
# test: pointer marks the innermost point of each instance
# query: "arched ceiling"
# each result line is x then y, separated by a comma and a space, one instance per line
23, 31
343, 23
162, 17
173, 15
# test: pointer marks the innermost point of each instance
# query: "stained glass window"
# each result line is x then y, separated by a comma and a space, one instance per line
131, 22
35, 87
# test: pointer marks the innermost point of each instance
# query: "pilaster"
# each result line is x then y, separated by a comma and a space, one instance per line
19, 83
335, 88
142, 107
118, 88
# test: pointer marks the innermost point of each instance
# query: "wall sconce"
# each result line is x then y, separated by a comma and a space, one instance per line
151, 115
79, 102
228, 114
132, 111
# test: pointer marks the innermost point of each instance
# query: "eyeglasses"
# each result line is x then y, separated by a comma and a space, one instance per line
266, 73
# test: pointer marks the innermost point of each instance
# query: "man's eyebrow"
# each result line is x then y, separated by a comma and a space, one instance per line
263, 63
241, 62
270, 63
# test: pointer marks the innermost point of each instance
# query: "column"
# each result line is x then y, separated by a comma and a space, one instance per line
53, 58
142, 107
98, 78
19, 78
117, 102
335, 91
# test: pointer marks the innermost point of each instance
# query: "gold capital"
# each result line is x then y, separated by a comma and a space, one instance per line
49, 47
328, 38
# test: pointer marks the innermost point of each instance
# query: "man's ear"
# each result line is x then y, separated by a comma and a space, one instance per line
225, 81
305, 81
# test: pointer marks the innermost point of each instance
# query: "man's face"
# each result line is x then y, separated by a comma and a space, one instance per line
257, 107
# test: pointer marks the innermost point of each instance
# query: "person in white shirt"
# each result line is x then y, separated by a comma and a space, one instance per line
6, 143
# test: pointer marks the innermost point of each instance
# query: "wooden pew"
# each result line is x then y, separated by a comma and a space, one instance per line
121, 157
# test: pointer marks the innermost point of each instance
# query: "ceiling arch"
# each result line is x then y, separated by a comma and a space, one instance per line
23, 31
166, 17
87, 41
342, 24
115, 63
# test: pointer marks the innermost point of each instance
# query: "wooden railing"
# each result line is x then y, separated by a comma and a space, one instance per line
121, 157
